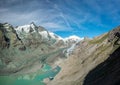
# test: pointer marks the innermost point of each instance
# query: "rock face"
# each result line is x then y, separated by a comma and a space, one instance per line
8, 36
93, 62
114, 36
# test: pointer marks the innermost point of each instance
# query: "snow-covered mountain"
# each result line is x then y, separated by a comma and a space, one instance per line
40, 33
73, 38
26, 31
32, 28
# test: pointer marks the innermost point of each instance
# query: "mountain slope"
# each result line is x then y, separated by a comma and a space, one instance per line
87, 55
106, 73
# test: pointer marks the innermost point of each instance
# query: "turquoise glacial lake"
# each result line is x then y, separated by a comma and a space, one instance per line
31, 79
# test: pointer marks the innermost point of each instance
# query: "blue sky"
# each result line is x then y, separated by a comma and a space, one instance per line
64, 17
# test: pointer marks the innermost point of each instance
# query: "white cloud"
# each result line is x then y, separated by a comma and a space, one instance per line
3, 10
52, 26
17, 18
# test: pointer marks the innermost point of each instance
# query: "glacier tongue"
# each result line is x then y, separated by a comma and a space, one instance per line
70, 50
71, 41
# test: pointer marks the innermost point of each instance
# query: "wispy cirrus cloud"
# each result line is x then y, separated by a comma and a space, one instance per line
82, 17
55, 26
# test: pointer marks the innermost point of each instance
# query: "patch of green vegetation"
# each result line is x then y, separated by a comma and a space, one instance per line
96, 41
102, 49
1, 34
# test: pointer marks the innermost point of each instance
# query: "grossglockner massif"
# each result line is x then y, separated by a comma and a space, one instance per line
32, 55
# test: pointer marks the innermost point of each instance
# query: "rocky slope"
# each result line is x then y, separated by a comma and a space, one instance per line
93, 62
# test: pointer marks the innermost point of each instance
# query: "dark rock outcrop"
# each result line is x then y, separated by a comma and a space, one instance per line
106, 73
114, 36
8, 36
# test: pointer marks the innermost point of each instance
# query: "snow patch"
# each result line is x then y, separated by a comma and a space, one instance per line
44, 34
25, 28
74, 37
55, 36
